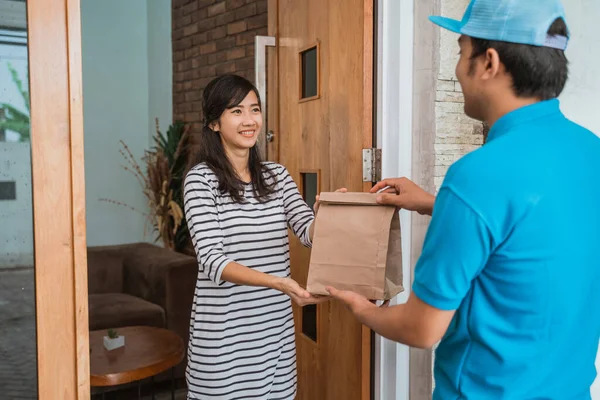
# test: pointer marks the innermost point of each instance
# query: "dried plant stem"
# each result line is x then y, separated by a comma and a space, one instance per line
163, 175
123, 205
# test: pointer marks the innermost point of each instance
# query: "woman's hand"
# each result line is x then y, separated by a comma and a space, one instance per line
299, 295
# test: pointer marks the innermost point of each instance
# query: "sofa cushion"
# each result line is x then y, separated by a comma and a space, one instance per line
115, 310
105, 270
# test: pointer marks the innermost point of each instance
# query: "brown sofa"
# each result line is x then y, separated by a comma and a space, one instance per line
141, 284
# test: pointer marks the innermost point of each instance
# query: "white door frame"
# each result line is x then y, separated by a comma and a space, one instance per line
395, 38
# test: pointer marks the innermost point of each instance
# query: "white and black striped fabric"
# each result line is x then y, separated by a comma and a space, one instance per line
242, 338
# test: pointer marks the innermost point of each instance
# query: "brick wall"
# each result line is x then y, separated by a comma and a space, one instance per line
456, 134
210, 38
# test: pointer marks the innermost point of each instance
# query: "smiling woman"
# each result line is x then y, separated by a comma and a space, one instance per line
232, 121
238, 210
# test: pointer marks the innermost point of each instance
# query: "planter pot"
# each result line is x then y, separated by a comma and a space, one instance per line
111, 344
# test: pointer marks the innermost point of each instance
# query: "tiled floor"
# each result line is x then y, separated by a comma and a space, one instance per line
18, 379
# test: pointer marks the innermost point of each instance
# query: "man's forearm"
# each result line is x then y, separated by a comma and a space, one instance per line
428, 206
414, 323
395, 323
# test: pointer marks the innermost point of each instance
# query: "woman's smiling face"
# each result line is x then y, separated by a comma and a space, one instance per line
240, 125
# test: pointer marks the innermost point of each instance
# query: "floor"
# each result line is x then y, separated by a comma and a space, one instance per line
162, 392
18, 377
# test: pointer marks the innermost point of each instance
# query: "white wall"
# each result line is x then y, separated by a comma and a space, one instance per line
127, 75
16, 220
581, 98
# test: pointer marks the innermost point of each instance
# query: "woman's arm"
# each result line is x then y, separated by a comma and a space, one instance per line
298, 214
202, 220
242, 275
207, 237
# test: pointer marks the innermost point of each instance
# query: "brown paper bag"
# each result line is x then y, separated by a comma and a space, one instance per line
356, 246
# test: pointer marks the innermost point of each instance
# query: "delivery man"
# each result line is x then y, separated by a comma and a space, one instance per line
509, 276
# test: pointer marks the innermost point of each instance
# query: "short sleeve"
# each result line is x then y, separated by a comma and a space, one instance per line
456, 249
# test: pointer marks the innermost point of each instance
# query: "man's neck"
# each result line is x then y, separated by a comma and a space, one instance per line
503, 105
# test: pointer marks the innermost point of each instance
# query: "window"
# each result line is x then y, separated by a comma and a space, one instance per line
309, 73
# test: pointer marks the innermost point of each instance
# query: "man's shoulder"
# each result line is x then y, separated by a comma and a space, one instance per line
582, 134
483, 180
470, 171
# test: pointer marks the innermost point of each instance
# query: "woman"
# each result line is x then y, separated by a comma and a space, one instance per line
238, 209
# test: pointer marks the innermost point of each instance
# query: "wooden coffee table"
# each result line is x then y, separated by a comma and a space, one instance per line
147, 352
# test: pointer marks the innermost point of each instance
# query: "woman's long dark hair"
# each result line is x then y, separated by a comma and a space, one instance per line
222, 93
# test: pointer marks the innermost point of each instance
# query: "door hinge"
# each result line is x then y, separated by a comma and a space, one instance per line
371, 165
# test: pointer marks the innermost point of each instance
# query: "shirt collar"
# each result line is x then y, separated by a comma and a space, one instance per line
523, 116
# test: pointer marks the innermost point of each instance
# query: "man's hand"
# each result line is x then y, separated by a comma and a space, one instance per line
414, 323
404, 193
359, 305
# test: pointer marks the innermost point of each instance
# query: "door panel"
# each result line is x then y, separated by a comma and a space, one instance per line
324, 134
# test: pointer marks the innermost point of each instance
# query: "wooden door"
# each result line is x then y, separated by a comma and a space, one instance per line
320, 111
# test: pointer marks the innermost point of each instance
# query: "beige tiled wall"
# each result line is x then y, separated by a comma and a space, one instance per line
456, 134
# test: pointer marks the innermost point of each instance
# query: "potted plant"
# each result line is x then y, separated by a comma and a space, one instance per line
113, 340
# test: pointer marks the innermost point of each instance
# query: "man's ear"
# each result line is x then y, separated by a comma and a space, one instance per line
491, 64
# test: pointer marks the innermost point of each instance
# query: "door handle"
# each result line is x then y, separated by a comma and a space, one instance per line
260, 65
260, 69
270, 136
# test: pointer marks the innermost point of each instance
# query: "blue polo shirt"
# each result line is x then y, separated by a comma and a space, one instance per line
514, 247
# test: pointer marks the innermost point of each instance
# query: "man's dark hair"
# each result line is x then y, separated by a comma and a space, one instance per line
540, 72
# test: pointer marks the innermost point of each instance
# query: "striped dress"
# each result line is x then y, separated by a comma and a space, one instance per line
241, 337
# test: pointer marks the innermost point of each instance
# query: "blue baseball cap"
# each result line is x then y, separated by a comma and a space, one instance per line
514, 21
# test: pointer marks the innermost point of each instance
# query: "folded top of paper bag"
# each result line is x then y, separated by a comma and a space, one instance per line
358, 198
